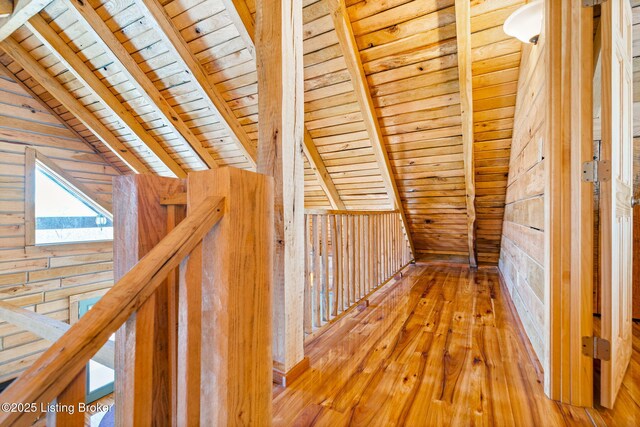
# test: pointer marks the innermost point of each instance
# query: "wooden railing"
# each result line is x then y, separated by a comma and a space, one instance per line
49, 329
349, 255
178, 361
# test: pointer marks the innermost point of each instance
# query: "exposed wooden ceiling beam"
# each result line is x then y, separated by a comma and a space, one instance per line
321, 172
110, 43
351, 55
4, 70
463, 40
243, 21
22, 11
163, 23
81, 71
51, 85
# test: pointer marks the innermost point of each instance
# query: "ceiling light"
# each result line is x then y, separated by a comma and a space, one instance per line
525, 24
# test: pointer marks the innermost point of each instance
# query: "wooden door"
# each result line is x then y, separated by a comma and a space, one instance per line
615, 201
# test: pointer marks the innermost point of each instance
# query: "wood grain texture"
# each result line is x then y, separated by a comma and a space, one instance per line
49, 376
616, 219
568, 204
20, 55
244, 23
348, 45
166, 27
327, 294
142, 363
636, 263
38, 26
522, 236
236, 280
49, 329
441, 346
43, 279
465, 79
281, 138
23, 10
75, 393
110, 43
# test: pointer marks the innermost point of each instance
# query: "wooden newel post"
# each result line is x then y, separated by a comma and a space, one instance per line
236, 276
142, 387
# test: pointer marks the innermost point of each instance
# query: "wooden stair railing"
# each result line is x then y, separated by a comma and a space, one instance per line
219, 259
49, 329
350, 254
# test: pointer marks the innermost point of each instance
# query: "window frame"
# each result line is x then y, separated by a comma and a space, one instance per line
34, 158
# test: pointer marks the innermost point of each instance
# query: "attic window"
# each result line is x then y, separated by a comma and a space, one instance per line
62, 212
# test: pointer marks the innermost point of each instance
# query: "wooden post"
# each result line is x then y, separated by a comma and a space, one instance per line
236, 278
142, 365
280, 146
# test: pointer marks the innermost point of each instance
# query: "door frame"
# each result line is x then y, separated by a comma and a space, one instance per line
569, 219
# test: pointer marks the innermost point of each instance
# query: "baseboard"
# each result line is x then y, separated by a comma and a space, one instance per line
286, 378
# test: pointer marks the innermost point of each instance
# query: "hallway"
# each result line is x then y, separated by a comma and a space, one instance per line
442, 346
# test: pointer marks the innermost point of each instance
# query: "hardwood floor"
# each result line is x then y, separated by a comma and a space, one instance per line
442, 346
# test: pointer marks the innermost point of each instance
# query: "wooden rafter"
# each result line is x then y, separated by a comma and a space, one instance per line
81, 71
110, 43
22, 11
39, 74
351, 55
463, 40
321, 172
165, 26
243, 21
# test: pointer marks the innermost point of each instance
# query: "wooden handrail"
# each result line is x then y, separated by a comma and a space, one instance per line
346, 212
49, 376
49, 329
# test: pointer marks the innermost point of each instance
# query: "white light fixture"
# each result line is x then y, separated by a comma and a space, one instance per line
525, 23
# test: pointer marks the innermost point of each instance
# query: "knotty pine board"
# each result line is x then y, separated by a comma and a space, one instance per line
522, 250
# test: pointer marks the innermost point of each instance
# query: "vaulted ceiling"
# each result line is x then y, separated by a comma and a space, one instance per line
169, 87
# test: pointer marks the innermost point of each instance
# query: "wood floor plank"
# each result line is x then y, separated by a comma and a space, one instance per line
441, 346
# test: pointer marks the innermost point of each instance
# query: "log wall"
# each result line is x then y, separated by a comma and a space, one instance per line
42, 278
522, 251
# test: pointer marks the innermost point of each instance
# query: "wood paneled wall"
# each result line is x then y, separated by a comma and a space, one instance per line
522, 251
42, 278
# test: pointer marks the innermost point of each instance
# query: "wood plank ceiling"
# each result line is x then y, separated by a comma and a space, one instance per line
173, 83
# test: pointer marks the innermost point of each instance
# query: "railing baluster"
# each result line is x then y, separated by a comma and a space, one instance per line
175, 214
352, 271
362, 258
344, 300
72, 395
324, 219
308, 277
189, 333
335, 273
316, 272
349, 255
371, 281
